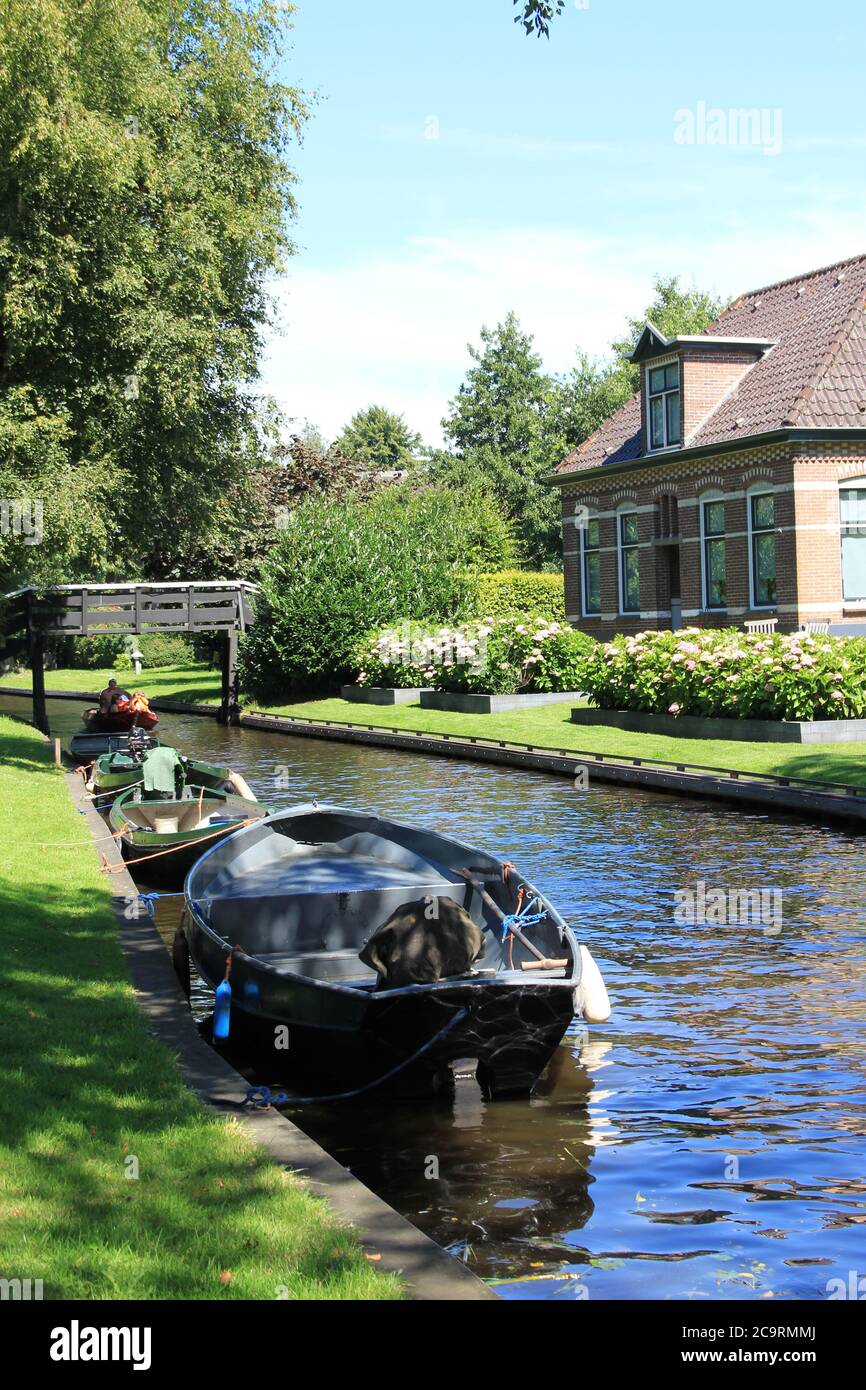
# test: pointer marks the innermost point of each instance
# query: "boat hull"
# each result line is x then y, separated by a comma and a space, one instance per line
314, 1016
85, 747
165, 856
98, 723
510, 1033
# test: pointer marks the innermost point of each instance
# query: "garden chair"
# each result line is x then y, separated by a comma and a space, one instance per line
767, 625
813, 629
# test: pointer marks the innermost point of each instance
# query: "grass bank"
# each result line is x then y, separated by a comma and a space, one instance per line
546, 725
88, 1098
550, 726
168, 682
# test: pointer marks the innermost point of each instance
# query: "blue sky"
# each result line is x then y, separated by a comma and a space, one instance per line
454, 169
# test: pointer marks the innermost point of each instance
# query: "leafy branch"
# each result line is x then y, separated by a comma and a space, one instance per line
537, 15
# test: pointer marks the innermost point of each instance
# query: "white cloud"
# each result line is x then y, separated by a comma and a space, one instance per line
392, 329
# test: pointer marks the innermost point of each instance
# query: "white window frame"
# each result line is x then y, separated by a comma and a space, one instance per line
627, 509
705, 576
848, 485
648, 397
760, 490
583, 553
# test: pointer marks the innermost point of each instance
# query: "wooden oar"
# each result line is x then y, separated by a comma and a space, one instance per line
512, 926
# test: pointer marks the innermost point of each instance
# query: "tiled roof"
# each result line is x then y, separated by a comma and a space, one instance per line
815, 376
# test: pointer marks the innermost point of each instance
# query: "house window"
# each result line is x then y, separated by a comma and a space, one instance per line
663, 405
591, 568
629, 564
715, 580
762, 549
852, 508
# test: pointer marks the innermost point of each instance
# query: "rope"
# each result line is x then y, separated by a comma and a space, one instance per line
268, 1098
76, 844
115, 791
524, 918
151, 899
173, 849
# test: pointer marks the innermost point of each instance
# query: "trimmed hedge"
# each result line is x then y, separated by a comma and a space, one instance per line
519, 592
730, 674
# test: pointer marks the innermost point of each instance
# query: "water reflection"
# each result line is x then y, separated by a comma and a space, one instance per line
709, 1141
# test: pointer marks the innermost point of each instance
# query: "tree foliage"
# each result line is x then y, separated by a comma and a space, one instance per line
499, 429
511, 423
339, 569
536, 15
145, 193
380, 439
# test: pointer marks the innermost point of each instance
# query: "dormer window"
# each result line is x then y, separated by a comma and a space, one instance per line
663, 405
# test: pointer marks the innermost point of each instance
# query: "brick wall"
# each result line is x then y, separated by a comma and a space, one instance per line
804, 481
707, 378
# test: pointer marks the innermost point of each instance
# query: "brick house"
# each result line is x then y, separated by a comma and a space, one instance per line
732, 486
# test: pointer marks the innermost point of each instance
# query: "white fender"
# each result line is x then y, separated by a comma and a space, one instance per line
591, 997
236, 781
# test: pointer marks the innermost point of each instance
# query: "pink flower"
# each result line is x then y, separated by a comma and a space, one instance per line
673, 709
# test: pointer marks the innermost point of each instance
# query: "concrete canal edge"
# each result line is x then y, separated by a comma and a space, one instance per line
429, 1273
742, 788
833, 801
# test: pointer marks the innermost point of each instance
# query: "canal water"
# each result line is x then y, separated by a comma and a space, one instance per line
710, 1140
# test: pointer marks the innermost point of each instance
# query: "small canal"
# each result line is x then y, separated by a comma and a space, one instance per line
710, 1140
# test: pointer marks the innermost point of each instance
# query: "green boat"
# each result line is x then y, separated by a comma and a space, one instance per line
158, 771
173, 833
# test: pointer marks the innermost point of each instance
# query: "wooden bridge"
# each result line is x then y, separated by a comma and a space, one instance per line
30, 616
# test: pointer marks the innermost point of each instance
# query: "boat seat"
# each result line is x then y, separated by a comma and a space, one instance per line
343, 967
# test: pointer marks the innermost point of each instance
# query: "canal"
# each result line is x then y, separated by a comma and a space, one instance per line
710, 1140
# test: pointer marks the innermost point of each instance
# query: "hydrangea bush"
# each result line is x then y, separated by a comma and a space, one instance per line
730, 674
493, 656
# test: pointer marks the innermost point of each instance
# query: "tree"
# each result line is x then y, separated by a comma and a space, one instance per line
673, 310
537, 14
380, 439
246, 523
145, 193
341, 568
499, 430
591, 392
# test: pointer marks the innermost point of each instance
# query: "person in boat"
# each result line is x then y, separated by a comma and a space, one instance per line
110, 696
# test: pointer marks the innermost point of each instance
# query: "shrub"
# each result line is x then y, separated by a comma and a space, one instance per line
340, 569
97, 653
520, 592
731, 674
164, 649
494, 656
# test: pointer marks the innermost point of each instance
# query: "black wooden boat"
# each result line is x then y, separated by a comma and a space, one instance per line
291, 902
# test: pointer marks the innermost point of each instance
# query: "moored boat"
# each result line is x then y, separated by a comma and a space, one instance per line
160, 771
287, 905
164, 838
121, 719
85, 747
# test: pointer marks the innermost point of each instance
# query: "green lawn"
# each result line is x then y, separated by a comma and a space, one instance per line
546, 725
86, 1089
169, 682
550, 726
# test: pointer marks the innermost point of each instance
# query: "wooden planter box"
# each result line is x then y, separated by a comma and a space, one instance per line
742, 730
491, 704
380, 695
